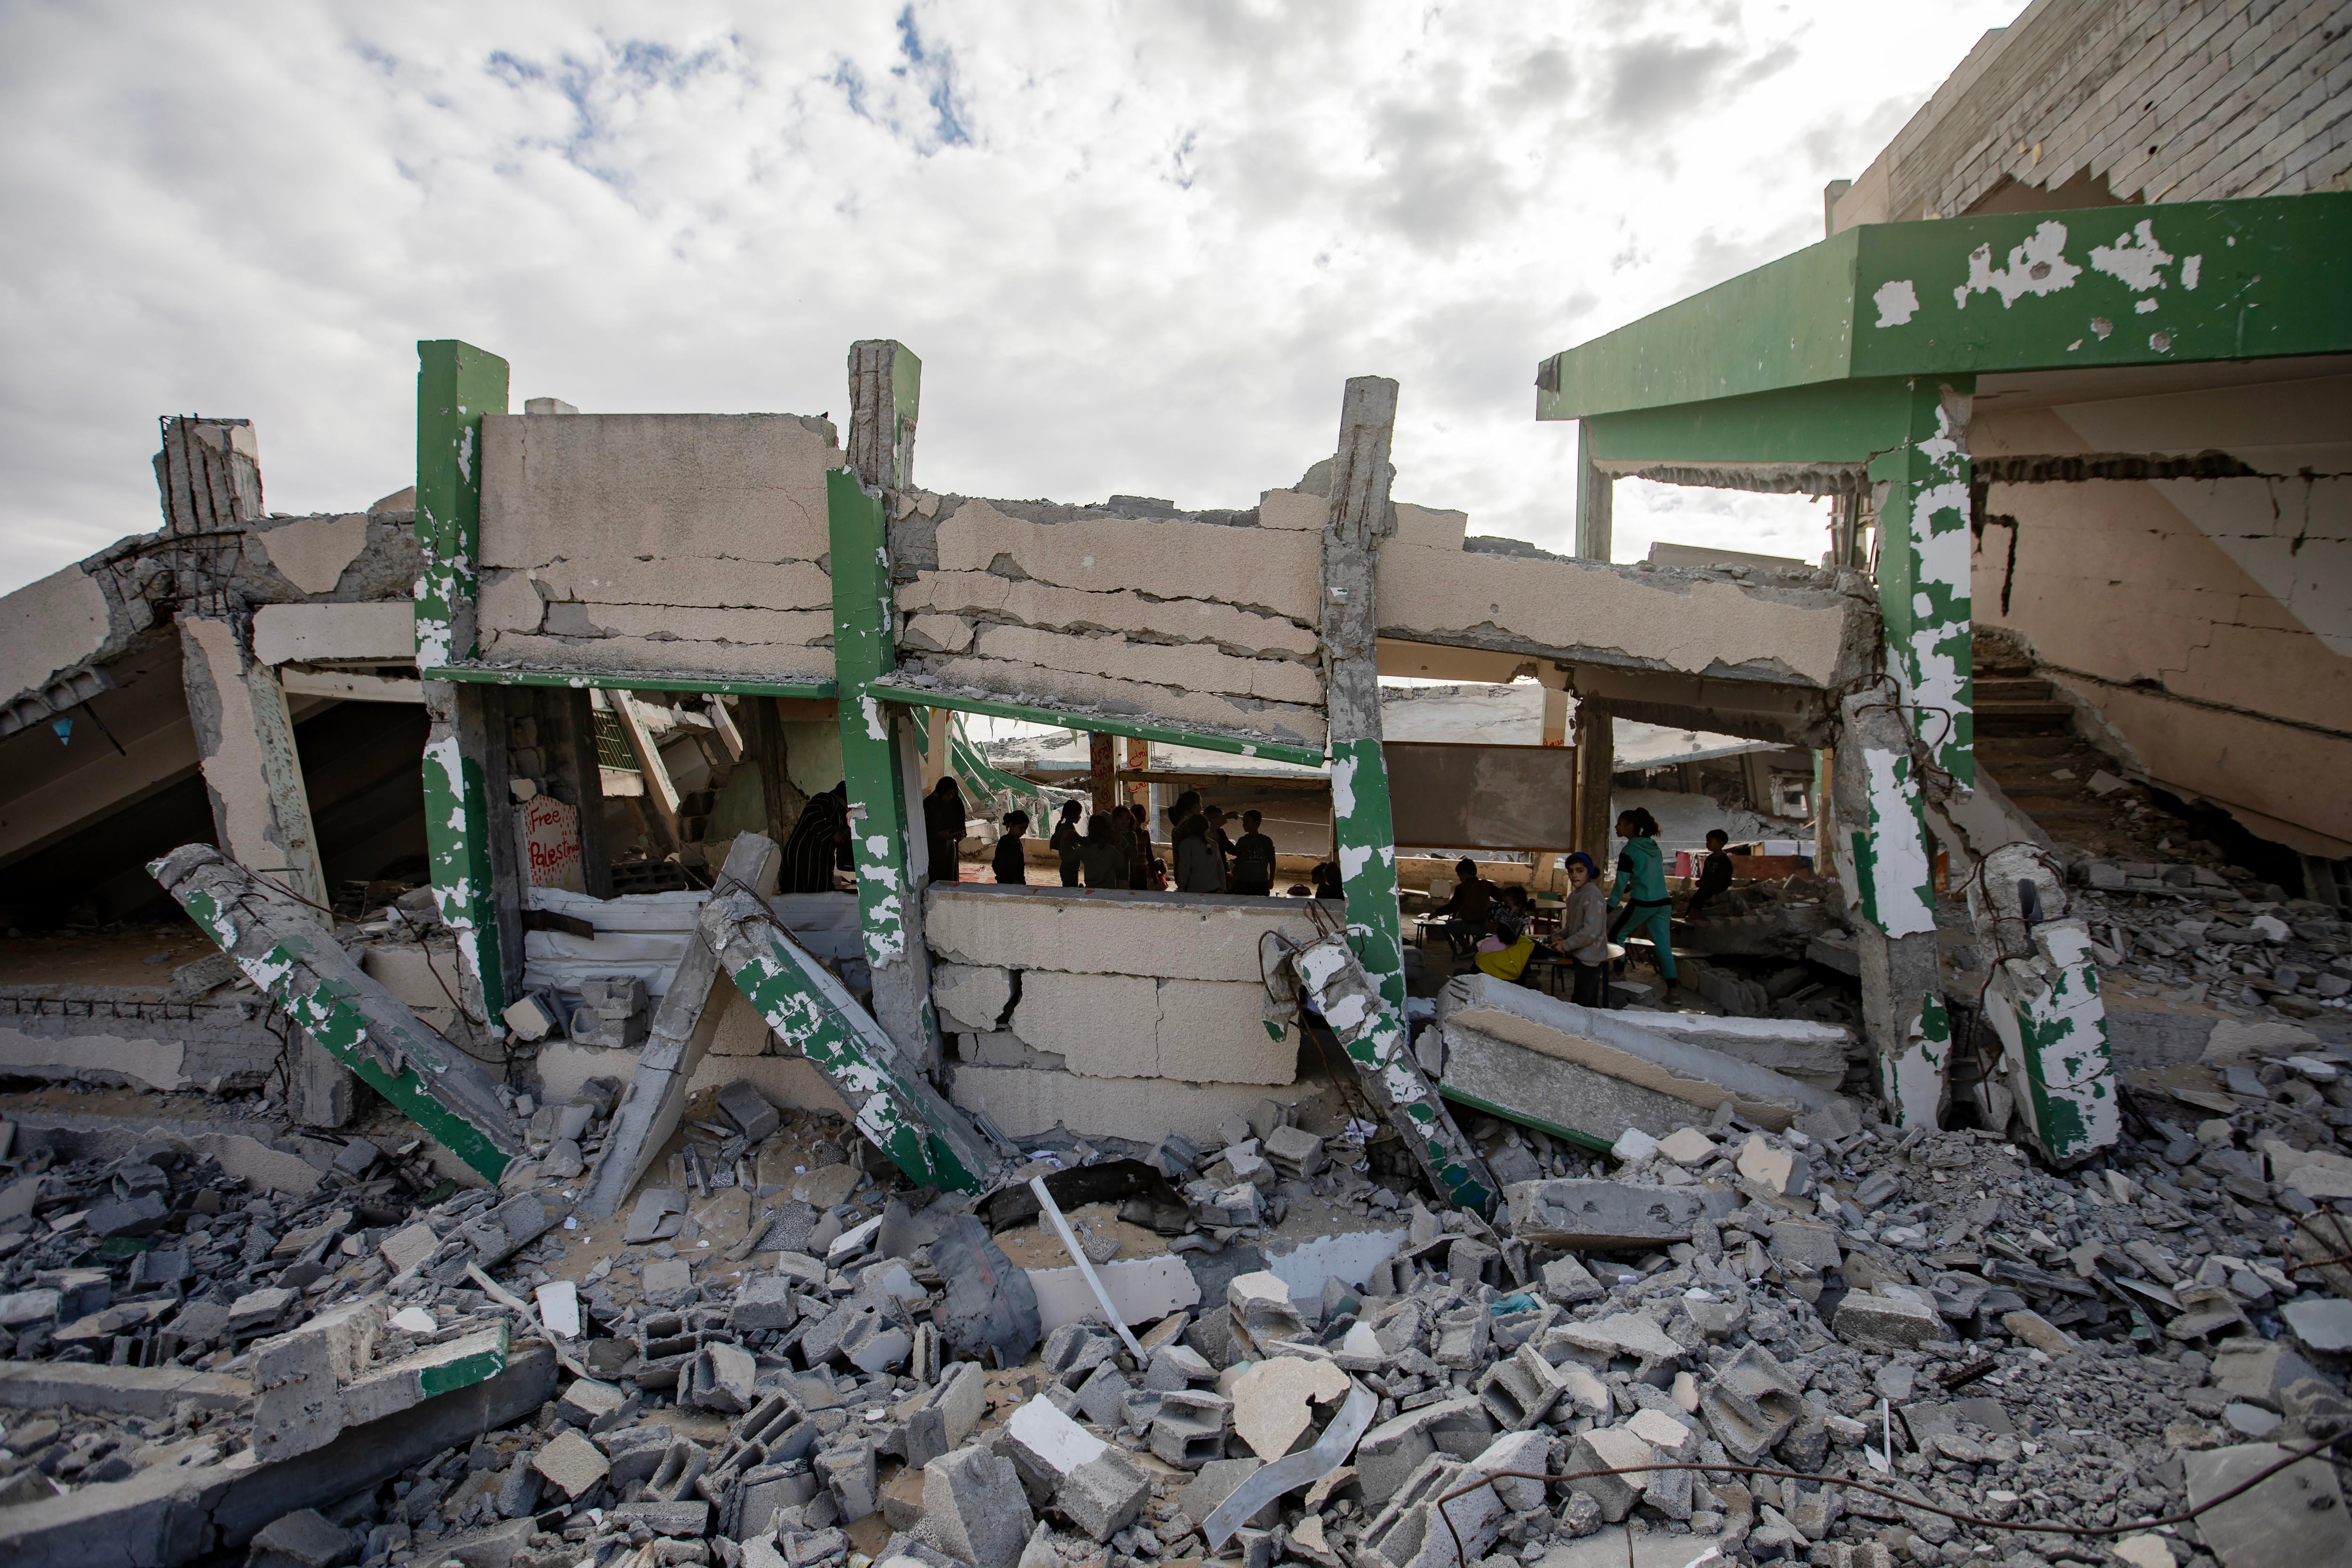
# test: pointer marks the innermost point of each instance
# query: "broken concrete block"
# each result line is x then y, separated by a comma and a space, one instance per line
1670, 1437
512, 1224
571, 1464
975, 1508
260, 1310
1407, 1533
1273, 1401
1103, 1397
1806, 1248
1177, 1367
410, 1248
23, 1308
1388, 1455
303, 1539
2295, 1519
1104, 1495
749, 1109
1781, 1171
1520, 1389
534, 1015
764, 1302
667, 1280
1073, 1351
1888, 1324
875, 1343
721, 1377
1260, 1309
657, 1217
1610, 1449
1750, 1402
1567, 1281
1215, 1482
1607, 1215
587, 1402
851, 1474
1295, 1152
947, 1414
1687, 1146
1190, 1429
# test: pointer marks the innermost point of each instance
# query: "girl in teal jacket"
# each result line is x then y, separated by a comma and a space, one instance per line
1642, 887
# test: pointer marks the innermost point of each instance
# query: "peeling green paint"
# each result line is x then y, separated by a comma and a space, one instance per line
1924, 569
863, 651
302, 971
1366, 828
1099, 724
1914, 1089
457, 384
815, 1014
1371, 1032
1893, 870
464, 1372
2053, 1026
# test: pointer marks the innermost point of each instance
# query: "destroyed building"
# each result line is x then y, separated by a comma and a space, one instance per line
505, 1167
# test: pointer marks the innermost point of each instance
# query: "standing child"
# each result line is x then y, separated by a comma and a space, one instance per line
1254, 859
1642, 884
1068, 841
1012, 865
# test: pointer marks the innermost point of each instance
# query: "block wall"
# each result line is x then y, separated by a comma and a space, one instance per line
2163, 99
1133, 607
675, 544
1101, 1000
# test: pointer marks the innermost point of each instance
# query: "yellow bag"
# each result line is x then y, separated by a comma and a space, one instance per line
1508, 963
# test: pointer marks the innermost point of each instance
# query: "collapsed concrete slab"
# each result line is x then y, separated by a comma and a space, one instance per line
1797, 1047
1479, 1009
301, 970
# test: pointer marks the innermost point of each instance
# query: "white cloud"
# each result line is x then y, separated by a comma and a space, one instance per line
1138, 246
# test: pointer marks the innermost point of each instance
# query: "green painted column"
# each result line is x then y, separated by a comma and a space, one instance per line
1373, 1033
457, 384
877, 753
1923, 573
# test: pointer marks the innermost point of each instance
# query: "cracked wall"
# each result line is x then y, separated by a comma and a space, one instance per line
1132, 608
675, 544
2209, 620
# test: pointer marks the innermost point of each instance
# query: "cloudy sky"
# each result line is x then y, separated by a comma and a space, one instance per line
1138, 246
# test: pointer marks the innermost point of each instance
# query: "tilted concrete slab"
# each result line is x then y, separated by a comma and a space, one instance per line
125, 1390
1797, 1047
1608, 1044
1566, 1099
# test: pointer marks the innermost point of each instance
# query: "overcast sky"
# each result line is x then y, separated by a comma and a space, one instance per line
1139, 247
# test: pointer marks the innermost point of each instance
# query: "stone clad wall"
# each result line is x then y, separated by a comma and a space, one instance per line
1144, 1008
692, 543
1195, 619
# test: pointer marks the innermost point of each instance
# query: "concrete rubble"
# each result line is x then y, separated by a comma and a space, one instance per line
751, 1378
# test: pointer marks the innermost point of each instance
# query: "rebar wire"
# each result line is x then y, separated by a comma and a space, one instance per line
505, 1059
1977, 1521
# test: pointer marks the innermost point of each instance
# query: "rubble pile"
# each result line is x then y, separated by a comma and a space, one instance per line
2210, 932
787, 1359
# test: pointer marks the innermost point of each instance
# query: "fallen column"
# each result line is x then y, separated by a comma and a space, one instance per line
2056, 1074
1374, 1039
893, 1106
657, 1097
303, 972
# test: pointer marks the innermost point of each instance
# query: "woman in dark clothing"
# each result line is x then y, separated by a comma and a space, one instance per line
1012, 865
943, 823
810, 850
1068, 841
1104, 858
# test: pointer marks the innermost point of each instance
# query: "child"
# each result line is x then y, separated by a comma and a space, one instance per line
1012, 865
1715, 875
1066, 842
1254, 859
1642, 884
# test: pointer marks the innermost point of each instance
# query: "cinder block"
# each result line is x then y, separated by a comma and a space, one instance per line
1214, 1032
1026, 1100
1164, 935
970, 997
1103, 1025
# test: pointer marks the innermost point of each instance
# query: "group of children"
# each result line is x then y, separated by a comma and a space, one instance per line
1114, 850
1498, 920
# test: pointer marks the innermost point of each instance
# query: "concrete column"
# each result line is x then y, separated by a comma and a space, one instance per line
457, 384
1102, 770
245, 741
1924, 576
1885, 864
1595, 492
877, 752
1596, 764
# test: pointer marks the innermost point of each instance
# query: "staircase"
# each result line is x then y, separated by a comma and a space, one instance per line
2025, 738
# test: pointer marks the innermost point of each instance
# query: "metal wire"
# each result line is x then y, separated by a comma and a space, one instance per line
1977, 1521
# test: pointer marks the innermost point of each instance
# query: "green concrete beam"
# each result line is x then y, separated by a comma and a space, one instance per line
303, 972
2169, 284
1924, 575
1097, 723
812, 1012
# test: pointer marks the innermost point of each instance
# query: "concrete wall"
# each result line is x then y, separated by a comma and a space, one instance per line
1793, 629
2209, 620
2146, 99
1079, 1007
122, 1039
1203, 619
665, 542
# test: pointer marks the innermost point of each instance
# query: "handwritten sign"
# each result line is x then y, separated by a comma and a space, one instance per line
550, 831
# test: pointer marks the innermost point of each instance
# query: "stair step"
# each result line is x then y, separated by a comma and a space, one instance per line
2049, 814
2002, 747
1999, 721
2012, 688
